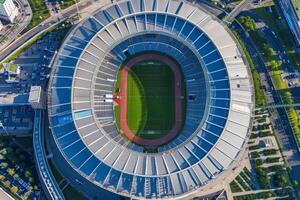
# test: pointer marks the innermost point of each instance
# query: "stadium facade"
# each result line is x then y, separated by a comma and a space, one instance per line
87, 148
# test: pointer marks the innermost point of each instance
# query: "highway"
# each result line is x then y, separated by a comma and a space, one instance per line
21, 22
270, 36
210, 7
72, 10
48, 182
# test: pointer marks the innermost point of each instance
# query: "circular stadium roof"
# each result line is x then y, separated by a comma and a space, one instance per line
81, 108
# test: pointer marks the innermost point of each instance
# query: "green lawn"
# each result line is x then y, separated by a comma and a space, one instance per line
296, 4
150, 99
40, 12
67, 3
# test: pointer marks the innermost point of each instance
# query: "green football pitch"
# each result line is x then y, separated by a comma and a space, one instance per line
150, 99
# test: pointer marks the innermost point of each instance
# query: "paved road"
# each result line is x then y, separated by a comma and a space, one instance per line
242, 5
48, 182
84, 7
21, 22
213, 9
270, 36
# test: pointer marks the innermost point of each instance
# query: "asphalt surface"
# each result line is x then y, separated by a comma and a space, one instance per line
272, 39
21, 22
46, 24
242, 5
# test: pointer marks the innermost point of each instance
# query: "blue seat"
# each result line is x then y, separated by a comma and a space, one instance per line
60, 96
194, 35
202, 143
79, 159
71, 51
68, 139
197, 151
64, 71
84, 33
126, 180
219, 111
102, 18
62, 82
224, 84
169, 22
76, 42
101, 172
219, 75
88, 167
216, 120
61, 108
220, 103
211, 57
92, 24
200, 41
63, 130
140, 186
187, 29
178, 25
113, 178
213, 128
150, 19
160, 20
61, 120
221, 94
206, 48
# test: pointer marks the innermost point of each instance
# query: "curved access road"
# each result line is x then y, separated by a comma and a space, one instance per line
84, 6
48, 182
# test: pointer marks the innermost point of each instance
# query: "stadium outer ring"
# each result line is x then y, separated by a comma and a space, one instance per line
232, 164
123, 101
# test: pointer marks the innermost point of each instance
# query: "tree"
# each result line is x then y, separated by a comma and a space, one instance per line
11, 171
6, 184
248, 23
28, 174
288, 97
271, 52
4, 165
295, 182
14, 189
274, 64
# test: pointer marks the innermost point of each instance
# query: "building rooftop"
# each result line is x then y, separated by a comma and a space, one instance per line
34, 95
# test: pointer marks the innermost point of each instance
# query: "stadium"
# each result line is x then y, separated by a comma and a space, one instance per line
148, 100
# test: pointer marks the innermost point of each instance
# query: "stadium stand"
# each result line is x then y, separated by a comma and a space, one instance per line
219, 105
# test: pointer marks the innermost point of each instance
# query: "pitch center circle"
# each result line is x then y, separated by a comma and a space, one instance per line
149, 99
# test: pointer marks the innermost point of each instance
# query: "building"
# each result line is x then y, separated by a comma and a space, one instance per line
8, 10
37, 97
13, 72
86, 145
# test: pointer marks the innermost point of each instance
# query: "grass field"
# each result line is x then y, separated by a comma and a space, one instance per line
150, 99
40, 12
